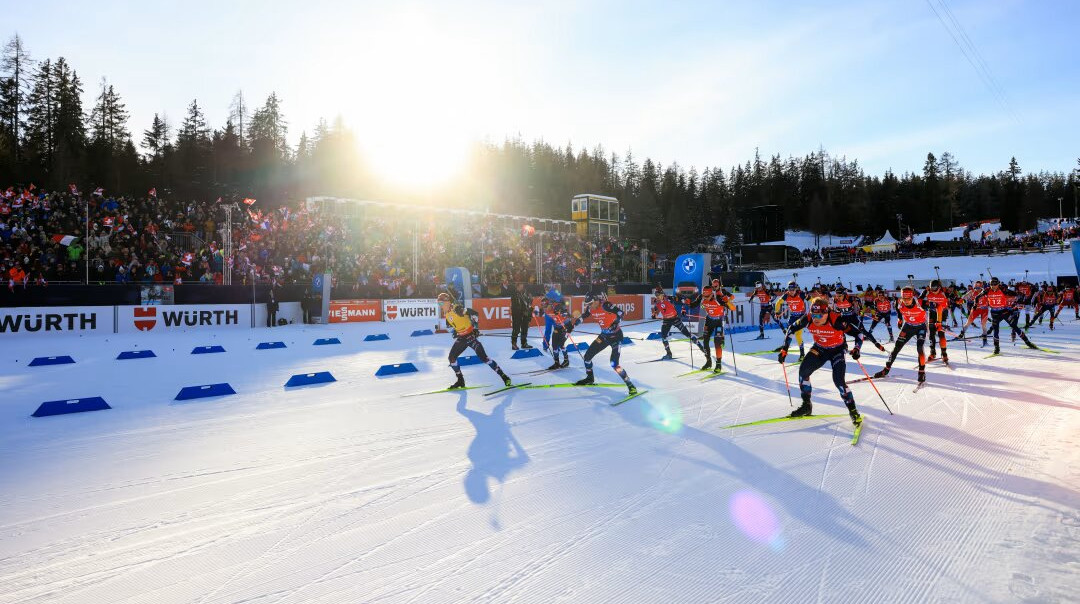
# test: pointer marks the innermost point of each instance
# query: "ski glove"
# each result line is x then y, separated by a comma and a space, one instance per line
855, 354
880, 346
783, 355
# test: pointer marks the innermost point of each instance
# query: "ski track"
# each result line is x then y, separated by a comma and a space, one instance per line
937, 503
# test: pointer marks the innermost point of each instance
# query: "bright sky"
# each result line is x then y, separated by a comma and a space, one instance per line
701, 83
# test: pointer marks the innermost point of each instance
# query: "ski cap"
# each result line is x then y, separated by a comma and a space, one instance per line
935, 284
792, 285
819, 307
995, 281
444, 297
908, 291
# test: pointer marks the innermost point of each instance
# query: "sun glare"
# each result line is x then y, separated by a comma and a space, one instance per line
424, 89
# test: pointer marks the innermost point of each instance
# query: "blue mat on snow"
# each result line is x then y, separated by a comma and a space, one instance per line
207, 349
270, 345
376, 336
396, 369
135, 354
209, 390
325, 341
61, 360
307, 379
527, 353
422, 332
75, 405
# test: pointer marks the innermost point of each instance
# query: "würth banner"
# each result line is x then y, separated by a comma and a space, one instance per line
355, 311
411, 310
162, 319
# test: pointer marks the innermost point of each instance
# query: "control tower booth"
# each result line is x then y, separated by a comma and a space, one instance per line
595, 215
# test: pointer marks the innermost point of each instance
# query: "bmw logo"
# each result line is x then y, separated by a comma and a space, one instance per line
688, 265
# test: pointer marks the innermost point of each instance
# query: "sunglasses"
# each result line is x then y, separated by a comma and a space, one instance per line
817, 315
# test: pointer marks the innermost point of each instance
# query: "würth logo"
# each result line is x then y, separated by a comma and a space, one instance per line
145, 318
391, 312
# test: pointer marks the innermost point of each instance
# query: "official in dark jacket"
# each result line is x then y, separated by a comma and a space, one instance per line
520, 316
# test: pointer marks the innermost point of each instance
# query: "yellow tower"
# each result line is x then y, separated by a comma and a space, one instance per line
595, 215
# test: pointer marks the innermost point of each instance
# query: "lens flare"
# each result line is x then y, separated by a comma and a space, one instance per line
755, 518
664, 414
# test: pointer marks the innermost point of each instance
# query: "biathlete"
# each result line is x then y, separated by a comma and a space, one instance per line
979, 311
795, 300
663, 306
463, 324
830, 344
1068, 300
912, 319
556, 320
882, 311
764, 298
939, 301
1002, 307
1045, 302
715, 302
608, 316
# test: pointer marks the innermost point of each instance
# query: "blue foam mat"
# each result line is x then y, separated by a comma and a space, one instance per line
396, 369
326, 341
376, 336
135, 354
58, 360
190, 392
527, 353
307, 379
207, 349
422, 332
270, 345
75, 405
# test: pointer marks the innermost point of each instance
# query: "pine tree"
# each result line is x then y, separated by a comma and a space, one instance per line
70, 125
193, 150
41, 119
108, 120
16, 62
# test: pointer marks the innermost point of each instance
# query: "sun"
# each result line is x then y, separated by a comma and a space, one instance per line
423, 93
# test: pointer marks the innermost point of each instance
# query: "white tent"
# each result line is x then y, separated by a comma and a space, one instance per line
886, 244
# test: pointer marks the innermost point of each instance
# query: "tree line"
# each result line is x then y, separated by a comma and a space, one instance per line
48, 137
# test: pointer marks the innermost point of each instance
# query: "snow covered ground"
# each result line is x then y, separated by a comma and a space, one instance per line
1039, 267
347, 492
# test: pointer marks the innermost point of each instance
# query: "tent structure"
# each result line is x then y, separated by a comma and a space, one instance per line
887, 243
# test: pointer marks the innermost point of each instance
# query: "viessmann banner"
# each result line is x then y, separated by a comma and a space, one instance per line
355, 311
163, 319
411, 310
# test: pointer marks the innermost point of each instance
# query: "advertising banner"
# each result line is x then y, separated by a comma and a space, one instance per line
355, 311
66, 320
494, 312
163, 319
631, 305
411, 310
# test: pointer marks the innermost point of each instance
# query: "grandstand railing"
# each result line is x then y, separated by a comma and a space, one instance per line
905, 255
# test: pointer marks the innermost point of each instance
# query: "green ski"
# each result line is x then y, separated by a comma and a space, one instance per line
693, 372
709, 377
505, 388
532, 386
444, 390
783, 419
760, 352
858, 431
634, 395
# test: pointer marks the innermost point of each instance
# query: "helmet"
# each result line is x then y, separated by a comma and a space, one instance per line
819, 306
444, 297
879, 289
995, 281
840, 290
792, 285
935, 284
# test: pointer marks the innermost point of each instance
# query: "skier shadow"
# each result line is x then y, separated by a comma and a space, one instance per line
494, 451
806, 504
989, 389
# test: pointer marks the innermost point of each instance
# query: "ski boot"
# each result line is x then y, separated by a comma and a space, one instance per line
667, 357
922, 375
632, 389
460, 383
997, 349
505, 378
585, 381
565, 362
803, 410
1032, 346
708, 364
984, 344
718, 368
555, 365
944, 358
761, 337
932, 357
856, 417
884, 372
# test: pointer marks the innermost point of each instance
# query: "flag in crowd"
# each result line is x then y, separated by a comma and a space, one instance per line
64, 239
249, 201
153, 192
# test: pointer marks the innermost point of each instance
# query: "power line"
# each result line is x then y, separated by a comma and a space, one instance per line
969, 51
978, 57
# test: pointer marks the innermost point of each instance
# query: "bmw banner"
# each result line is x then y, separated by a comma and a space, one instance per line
691, 271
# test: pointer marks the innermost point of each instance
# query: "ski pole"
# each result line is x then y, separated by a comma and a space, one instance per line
787, 384
734, 363
875, 386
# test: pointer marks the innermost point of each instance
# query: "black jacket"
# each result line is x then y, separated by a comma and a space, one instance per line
520, 303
